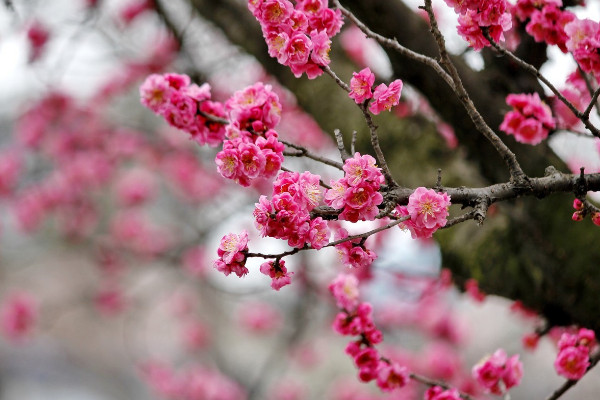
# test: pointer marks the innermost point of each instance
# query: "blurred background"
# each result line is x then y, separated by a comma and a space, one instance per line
110, 218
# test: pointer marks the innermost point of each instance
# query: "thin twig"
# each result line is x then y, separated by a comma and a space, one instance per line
303, 151
394, 45
588, 83
340, 82
340, 145
334, 243
533, 70
372, 129
376, 146
353, 143
588, 110
516, 172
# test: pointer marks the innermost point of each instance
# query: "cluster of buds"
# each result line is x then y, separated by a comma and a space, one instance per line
581, 211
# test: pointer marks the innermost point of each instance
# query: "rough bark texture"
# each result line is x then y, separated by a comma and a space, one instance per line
528, 250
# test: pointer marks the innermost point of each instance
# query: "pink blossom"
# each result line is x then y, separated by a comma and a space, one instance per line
361, 84
232, 247
318, 234
277, 271
384, 97
469, 29
531, 119
321, 47
524, 8
232, 252
498, 373
352, 253
344, 289
19, 314
572, 362
583, 43
428, 209
547, 25
155, 92
298, 49
362, 169
274, 12
391, 376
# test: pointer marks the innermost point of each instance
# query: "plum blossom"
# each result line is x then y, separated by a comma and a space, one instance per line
358, 191
530, 121
573, 358
232, 254
277, 271
498, 373
344, 289
385, 97
361, 84
298, 35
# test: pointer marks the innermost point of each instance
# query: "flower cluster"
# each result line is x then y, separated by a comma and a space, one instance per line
353, 253
287, 215
185, 106
252, 150
428, 211
357, 193
384, 97
573, 357
530, 120
584, 44
298, 36
494, 15
232, 254
548, 25
278, 273
498, 373
525, 8
356, 319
